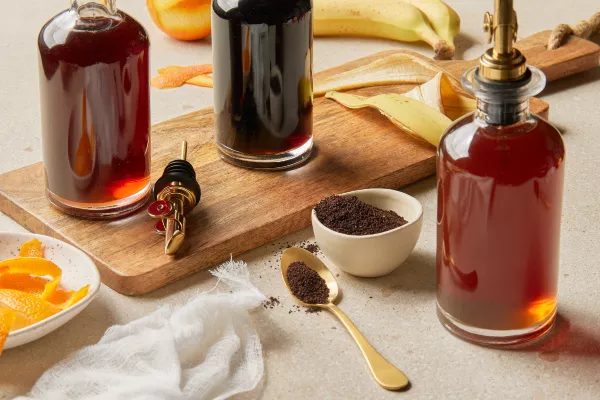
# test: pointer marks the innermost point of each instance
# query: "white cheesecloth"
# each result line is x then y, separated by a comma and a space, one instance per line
205, 349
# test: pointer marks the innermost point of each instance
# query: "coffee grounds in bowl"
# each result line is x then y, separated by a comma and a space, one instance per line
349, 215
306, 284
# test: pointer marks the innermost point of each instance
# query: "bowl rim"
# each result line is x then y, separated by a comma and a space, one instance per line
374, 235
94, 286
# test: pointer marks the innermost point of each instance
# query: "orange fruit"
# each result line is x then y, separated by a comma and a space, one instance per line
181, 19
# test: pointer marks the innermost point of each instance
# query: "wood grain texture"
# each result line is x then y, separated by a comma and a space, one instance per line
243, 209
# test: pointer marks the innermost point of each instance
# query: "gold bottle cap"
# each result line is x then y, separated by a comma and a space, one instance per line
502, 62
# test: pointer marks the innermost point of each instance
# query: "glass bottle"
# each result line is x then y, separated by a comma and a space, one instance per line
262, 69
500, 188
95, 110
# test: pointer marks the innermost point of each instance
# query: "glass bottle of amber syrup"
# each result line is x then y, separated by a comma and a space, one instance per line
95, 110
500, 189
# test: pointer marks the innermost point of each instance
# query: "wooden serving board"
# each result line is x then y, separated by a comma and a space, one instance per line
243, 209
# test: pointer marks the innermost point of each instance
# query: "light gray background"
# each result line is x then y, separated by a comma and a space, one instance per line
310, 355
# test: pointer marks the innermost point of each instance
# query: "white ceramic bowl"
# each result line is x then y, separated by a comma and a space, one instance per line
378, 254
77, 270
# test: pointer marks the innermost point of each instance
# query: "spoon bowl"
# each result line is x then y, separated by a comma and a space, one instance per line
386, 374
295, 254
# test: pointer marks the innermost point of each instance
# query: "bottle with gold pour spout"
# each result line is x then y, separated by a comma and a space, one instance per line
500, 188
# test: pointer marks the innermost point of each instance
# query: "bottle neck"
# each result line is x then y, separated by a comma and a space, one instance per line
503, 113
94, 8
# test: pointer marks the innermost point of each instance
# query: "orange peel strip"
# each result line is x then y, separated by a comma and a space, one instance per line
35, 266
75, 297
175, 76
32, 248
201, 80
23, 282
28, 304
7, 319
60, 297
21, 321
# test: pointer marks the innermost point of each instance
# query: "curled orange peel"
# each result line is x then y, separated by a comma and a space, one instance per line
74, 296
7, 319
175, 76
32, 248
35, 266
30, 290
28, 304
23, 282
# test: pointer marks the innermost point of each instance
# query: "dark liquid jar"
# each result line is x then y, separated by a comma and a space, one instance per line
262, 63
95, 110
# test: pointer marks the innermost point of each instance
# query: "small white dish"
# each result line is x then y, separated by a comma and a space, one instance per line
378, 254
77, 270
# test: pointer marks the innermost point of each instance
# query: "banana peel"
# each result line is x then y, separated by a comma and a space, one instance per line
440, 93
394, 69
410, 115
425, 112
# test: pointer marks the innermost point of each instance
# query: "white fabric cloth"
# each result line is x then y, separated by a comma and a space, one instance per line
206, 349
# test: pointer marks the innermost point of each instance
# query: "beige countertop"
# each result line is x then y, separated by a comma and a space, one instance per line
310, 355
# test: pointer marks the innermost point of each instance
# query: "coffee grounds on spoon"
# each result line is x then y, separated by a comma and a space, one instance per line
349, 215
306, 284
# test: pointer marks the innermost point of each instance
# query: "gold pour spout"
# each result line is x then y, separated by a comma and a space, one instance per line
502, 62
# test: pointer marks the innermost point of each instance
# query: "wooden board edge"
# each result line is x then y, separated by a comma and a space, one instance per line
34, 224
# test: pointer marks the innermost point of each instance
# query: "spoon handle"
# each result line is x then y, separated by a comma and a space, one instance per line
388, 376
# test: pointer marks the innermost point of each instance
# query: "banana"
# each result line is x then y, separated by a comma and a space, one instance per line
390, 19
443, 19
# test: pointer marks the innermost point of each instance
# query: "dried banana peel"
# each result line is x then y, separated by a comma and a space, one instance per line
425, 112
395, 69
441, 94
412, 116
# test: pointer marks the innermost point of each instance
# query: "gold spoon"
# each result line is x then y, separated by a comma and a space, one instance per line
388, 376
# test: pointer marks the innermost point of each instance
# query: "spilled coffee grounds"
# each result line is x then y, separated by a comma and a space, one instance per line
306, 284
351, 216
